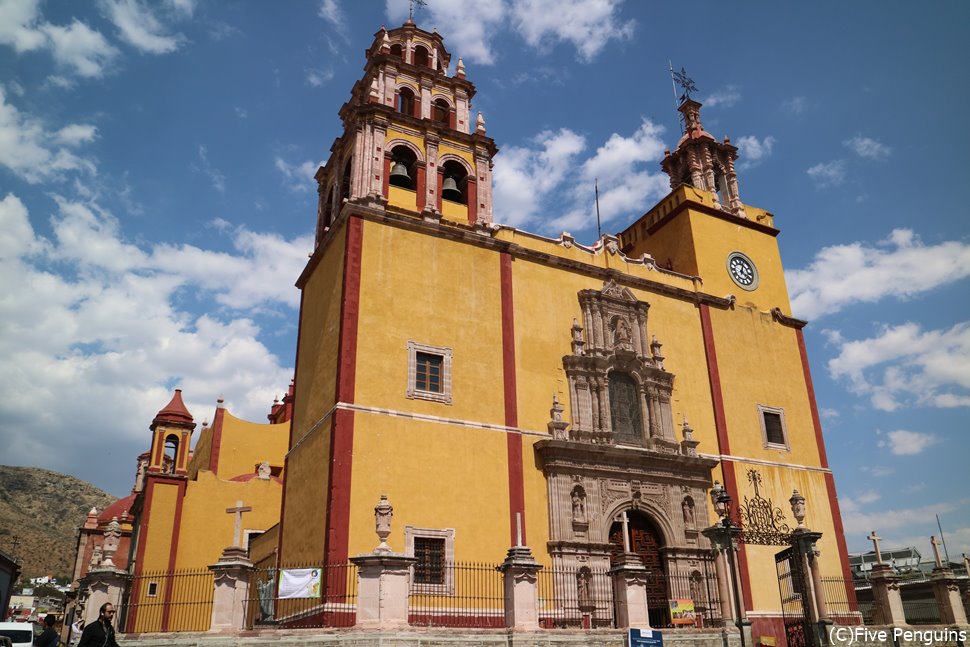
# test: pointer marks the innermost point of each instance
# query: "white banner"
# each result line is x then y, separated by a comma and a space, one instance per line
299, 583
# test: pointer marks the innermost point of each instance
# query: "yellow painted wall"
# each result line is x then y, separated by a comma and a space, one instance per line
305, 512
201, 453
403, 198
245, 444
157, 536
319, 337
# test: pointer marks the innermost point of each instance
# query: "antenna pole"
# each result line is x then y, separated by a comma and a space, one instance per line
944, 541
599, 227
673, 83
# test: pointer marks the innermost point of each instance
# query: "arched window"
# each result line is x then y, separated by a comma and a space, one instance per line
403, 167
405, 101
720, 185
171, 453
454, 185
326, 218
625, 409
440, 111
397, 51
345, 180
421, 56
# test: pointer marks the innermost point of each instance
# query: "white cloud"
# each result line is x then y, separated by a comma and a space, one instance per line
908, 443
140, 27
795, 105
76, 134
469, 27
829, 414
877, 470
317, 77
753, 151
885, 368
18, 25
298, 177
893, 519
331, 12
726, 97
868, 148
183, 7
589, 25
828, 173
901, 266
33, 153
106, 332
203, 166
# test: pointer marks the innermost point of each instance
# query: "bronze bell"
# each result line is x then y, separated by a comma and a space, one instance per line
399, 175
450, 191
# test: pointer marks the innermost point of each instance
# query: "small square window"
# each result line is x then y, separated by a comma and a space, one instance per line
429, 373
152, 589
435, 551
773, 431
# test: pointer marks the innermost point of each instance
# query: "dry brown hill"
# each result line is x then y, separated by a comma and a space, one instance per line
40, 512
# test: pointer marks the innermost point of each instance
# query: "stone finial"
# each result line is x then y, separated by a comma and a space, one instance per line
460, 69
263, 471
220, 402
658, 358
557, 426
797, 502
688, 444
112, 537
874, 538
375, 96
96, 556
480, 124
578, 343
92, 519
383, 512
385, 43
556, 412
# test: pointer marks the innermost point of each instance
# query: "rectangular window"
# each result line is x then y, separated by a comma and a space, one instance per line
427, 375
430, 568
773, 431
152, 589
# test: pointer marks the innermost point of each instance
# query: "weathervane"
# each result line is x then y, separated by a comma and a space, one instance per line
684, 81
411, 4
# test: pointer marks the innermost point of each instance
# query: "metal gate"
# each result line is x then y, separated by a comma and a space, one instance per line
793, 589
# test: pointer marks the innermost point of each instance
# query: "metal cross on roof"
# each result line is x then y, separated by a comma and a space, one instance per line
685, 82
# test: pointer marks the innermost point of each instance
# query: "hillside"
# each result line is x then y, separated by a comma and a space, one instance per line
43, 510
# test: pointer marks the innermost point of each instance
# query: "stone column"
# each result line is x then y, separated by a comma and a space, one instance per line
382, 590
946, 588
885, 594
630, 592
231, 577
104, 584
521, 591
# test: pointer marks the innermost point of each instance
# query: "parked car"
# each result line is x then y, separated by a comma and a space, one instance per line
21, 634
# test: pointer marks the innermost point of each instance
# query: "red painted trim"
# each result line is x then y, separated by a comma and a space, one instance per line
819, 441
471, 198
452, 118
386, 184
440, 178
840, 540
183, 457
513, 440
420, 183
142, 539
159, 439
173, 552
342, 427
720, 422
216, 447
731, 485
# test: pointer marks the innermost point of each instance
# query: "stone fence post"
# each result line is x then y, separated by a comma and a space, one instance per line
231, 577
885, 594
383, 580
521, 591
104, 584
630, 592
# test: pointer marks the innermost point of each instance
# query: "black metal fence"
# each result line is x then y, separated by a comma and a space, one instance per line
836, 591
303, 595
170, 601
457, 594
573, 598
701, 606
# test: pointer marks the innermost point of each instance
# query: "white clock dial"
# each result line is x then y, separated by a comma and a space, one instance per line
742, 271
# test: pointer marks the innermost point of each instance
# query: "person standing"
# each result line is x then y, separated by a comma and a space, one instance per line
100, 633
49, 637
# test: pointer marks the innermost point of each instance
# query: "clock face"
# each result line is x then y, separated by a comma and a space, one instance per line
742, 271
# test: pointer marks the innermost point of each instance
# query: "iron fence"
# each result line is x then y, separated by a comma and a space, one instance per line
921, 612
170, 601
456, 594
836, 591
700, 596
577, 597
312, 595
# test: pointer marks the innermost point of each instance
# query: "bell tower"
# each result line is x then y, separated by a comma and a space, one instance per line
171, 436
410, 143
704, 163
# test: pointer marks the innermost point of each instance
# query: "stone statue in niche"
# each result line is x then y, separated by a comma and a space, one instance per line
264, 471
578, 497
583, 578
621, 334
688, 507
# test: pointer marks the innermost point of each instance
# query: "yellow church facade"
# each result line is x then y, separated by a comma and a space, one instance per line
501, 387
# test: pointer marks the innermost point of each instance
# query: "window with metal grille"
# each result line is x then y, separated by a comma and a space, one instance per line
430, 568
427, 376
773, 427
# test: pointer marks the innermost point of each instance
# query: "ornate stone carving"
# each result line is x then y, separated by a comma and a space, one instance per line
578, 498
383, 512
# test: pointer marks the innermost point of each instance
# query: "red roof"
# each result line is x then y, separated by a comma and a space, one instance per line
175, 410
116, 509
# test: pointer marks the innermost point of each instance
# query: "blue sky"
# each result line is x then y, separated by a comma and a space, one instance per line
157, 201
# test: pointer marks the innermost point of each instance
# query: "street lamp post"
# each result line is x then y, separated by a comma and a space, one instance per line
724, 534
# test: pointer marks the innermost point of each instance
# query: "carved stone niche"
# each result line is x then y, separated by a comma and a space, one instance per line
619, 391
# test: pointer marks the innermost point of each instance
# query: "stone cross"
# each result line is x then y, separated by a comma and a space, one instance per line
237, 529
626, 531
936, 551
874, 538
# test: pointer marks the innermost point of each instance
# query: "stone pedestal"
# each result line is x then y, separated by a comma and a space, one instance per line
382, 589
104, 584
630, 592
231, 576
521, 591
946, 588
885, 594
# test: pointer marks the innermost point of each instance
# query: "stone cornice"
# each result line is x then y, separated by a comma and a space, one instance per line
785, 320
711, 211
611, 458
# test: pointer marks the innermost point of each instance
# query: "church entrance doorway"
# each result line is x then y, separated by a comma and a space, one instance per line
646, 541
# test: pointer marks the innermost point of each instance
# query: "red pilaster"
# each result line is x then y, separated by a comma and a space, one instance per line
216, 447
385, 188
421, 186
471, 198
807, 372
173, 551
439, 178
514, 439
